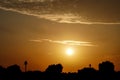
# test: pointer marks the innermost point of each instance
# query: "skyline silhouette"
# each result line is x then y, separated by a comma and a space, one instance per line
54, 72
104, 66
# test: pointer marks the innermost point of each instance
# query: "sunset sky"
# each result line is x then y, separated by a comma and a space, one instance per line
44, 31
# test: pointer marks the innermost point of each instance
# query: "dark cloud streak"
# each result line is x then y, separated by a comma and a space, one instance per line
68, 11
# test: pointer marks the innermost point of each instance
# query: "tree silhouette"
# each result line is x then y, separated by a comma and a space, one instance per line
2, 72
2, 69
90, 65
54, 72
14, 69
25, 63
54, 68
106, 67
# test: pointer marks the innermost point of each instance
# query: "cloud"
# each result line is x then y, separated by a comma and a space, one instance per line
68, 11
65, 42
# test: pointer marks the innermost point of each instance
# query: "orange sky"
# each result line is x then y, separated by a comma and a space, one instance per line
43, 40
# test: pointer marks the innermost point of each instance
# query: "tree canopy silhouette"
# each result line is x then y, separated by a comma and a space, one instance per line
54, 68
106, 67
14, 69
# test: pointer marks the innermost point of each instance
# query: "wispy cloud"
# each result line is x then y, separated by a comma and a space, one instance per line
68, 11
65, 42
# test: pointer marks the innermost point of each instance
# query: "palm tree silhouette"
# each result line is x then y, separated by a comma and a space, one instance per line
25, 63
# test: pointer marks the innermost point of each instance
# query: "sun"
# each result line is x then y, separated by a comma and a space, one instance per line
69, 51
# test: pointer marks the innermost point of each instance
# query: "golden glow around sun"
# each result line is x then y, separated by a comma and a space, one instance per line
69, 51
